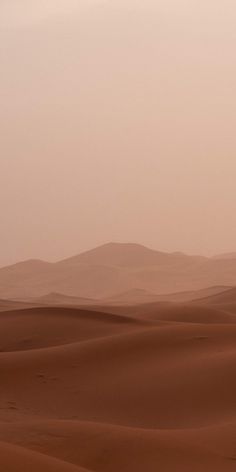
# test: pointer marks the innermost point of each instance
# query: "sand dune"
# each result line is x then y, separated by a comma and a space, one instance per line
224, 297
141, 387
9, 305
132, 297
103, 447
173, 376
181, 297
13, 459
192, 312
60, 299
34, 328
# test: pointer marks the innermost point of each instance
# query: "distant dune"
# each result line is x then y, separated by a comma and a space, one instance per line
135, 296
8, 305
165, 312
139, 296
61, 299
223, 297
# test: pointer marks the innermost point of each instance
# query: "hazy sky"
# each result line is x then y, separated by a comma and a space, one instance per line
118, 122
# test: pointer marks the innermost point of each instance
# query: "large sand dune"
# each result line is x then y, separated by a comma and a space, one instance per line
130, 388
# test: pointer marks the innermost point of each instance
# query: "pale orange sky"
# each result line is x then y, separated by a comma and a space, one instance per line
117, 123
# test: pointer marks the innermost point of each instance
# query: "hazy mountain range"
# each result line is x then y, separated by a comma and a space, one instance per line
114, 269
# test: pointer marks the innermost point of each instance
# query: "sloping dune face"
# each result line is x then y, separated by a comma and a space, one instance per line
150, 387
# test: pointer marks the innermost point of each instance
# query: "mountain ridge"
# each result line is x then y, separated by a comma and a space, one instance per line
115, 268
110, 246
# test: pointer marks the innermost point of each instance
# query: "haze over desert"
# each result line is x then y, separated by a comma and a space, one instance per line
118, 236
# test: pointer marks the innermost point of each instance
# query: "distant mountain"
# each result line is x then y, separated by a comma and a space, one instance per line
125, 255
129, 269
228, 255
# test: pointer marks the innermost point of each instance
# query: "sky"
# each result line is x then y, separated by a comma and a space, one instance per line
117, 123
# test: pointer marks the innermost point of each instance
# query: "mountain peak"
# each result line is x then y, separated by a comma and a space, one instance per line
29, 264
120, 254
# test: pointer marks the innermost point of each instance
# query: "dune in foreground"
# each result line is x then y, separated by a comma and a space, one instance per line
147, 388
